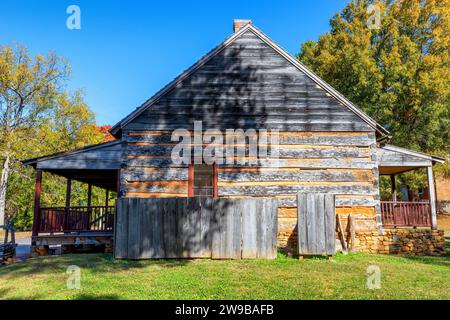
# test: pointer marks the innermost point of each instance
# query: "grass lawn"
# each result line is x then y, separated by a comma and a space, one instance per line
402, 277
283, 278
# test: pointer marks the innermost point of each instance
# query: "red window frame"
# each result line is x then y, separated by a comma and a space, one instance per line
191, 180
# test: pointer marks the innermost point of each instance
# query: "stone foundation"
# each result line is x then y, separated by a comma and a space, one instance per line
403, 241
392, 241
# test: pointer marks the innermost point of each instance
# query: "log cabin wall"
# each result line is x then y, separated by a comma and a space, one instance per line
324, 147
341, 163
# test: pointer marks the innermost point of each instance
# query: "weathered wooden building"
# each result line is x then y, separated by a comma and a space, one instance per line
325, 145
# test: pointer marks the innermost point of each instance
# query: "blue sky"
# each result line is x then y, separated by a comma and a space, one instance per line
127, 50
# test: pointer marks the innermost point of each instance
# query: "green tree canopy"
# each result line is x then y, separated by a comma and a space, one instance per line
398, 71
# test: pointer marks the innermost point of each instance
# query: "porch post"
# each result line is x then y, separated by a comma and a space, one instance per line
393, 188
37, 202
118, 183
89, 196
68, 192
432, 195
66, 209
107, 198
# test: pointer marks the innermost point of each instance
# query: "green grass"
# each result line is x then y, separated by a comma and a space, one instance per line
102, 277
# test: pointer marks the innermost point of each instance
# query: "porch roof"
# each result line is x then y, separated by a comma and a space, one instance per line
95, 164
395, 160
102, 156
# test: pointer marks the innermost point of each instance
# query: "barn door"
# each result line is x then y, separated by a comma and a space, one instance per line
316, 224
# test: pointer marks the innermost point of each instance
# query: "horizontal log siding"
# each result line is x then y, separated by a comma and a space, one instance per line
342, 163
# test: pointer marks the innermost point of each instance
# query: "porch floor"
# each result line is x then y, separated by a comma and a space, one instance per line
73, 238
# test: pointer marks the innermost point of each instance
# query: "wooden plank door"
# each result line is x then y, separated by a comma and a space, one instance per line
316, 224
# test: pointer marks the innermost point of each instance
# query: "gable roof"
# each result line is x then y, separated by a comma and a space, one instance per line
116, 129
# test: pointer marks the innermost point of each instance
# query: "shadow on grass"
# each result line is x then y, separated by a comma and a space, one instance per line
95, 263
443, 260
96, 297
3, 292
447, 246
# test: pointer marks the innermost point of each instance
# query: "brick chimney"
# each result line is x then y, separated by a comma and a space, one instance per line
238, 24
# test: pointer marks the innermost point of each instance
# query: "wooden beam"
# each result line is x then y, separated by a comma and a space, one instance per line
68, 192
191, 180
432, 194
215, 180
118, 183
89, 195
106, 197
393, 188
89, 199
37, 202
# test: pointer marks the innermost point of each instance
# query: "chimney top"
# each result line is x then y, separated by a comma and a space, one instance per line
238, 24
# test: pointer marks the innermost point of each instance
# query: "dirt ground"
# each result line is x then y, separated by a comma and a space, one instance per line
19, 235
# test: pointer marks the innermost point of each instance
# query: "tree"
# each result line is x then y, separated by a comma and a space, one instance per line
28, 91
398, 73
70, 125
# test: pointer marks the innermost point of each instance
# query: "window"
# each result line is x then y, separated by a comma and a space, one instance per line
202, 180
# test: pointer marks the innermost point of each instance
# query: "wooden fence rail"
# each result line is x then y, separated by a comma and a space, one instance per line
406, 214
76, 219
216, 228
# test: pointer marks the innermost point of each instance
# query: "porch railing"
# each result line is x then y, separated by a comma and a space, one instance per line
76, 219
406, 214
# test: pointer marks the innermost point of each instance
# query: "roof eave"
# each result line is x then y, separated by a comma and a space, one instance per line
33, 161
425, 156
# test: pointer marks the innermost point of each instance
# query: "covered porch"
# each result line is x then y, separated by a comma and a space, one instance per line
96, 166
392, 161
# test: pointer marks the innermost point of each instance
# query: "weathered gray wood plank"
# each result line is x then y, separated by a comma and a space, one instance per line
195, 228
327, 163
356, 189
302, 229
316, 224
330, 224
319, 238
121, 229
348, 201
249, 237
133, 229
299, 152
293, 175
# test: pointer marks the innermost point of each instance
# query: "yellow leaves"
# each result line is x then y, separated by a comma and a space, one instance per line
42, 117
